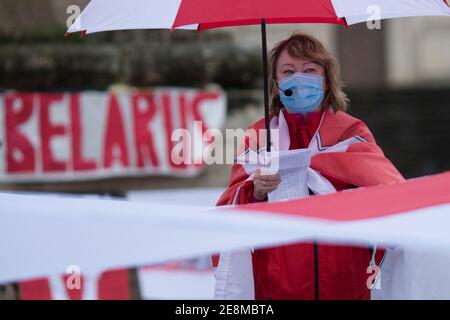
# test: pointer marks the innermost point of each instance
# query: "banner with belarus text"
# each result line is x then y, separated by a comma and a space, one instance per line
90, 135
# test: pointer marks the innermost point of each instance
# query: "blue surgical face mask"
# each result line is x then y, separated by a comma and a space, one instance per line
305, 91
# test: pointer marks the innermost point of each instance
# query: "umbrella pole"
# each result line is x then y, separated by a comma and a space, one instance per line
266, 84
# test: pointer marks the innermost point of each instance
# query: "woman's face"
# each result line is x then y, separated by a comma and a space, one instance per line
287, 65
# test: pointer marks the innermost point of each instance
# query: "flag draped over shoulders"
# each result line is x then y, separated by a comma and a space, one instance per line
343, 149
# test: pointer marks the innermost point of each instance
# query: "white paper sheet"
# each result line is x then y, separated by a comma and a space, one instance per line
292, 167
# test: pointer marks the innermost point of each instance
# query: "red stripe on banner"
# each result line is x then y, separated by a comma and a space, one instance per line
366, 203
176, 267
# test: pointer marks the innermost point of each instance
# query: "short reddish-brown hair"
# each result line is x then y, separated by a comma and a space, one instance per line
304, 46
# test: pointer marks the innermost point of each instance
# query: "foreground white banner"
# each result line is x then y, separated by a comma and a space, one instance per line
37, 239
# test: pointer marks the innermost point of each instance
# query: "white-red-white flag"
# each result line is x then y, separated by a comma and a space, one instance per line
44, 235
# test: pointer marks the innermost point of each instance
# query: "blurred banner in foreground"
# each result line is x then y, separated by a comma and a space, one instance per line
89, 135
46, 235
185, 279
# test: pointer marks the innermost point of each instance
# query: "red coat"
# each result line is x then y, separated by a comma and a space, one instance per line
310, 270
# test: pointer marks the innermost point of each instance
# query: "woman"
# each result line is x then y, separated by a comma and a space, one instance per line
307, 104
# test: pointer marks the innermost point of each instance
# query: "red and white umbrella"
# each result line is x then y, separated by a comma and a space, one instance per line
108, 15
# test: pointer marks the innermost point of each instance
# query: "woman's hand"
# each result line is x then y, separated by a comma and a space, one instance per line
264, 183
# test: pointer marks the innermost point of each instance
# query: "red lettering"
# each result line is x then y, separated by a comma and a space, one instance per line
111, 285
79, 163
196, 104
38, 289
184, 105
168, 124
143, 136
114, 285
115, 135
15, 140
48, 131
73, 293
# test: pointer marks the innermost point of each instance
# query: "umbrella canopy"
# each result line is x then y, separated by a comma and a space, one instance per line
107, 15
